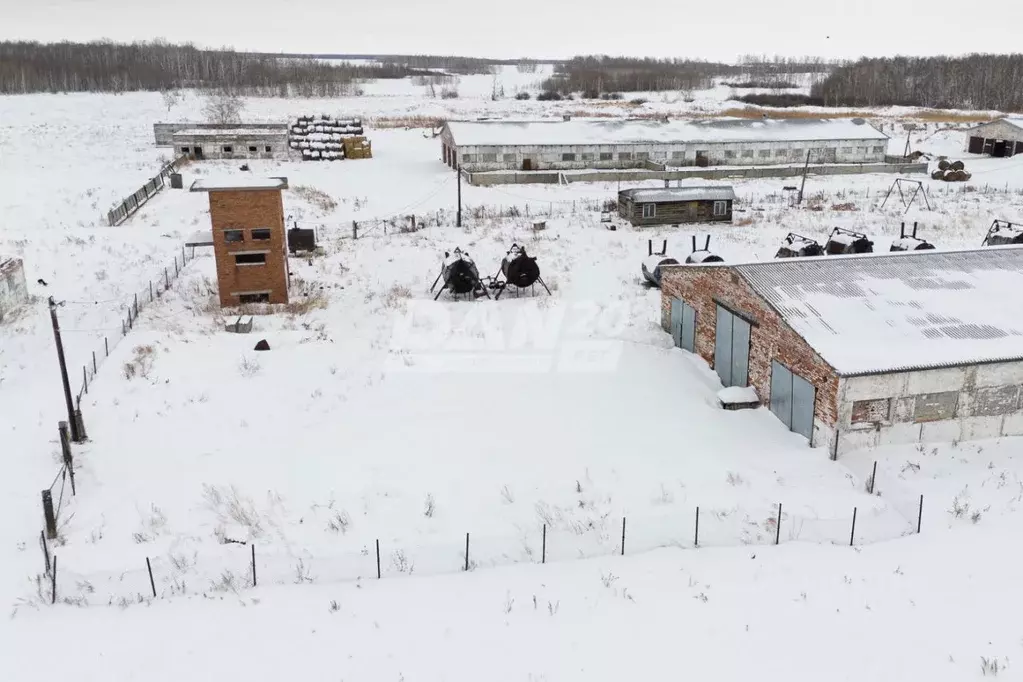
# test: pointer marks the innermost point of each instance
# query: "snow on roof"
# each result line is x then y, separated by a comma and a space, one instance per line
237, 184
229, 132
668, 194
596, 132
915, 310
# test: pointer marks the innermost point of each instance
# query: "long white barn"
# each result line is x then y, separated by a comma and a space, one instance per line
596, 143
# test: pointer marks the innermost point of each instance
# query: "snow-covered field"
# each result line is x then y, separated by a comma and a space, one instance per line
379, 415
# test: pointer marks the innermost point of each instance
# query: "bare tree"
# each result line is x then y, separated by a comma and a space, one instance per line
223, 108
172, 98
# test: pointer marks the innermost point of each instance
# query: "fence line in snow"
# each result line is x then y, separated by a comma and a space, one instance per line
133, 202
236, 565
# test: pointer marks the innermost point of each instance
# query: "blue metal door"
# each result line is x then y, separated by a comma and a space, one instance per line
688, 335
792, 400
723, 346
781, 393
676, 321
803, 397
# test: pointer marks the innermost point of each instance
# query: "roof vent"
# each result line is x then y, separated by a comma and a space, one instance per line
859, 121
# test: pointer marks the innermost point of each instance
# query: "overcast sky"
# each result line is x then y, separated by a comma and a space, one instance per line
532, 28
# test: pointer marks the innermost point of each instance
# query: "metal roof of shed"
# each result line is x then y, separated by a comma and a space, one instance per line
670, 194
603, 131
877, 313
230, 132
236, 184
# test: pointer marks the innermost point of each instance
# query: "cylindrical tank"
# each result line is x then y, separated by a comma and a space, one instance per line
652, 267
911, 244
698, 257
459, 272
519, 268
846, 241
797, 246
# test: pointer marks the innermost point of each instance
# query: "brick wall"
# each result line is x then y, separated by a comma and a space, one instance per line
245, 210
770, 337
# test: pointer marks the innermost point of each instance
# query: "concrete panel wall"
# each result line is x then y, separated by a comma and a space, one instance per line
960, 403
13, 288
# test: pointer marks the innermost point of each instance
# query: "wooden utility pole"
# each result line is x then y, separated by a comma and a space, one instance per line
458, 218
75, 431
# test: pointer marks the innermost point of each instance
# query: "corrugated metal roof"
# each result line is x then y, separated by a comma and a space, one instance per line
602, 131
883, 313
669, 194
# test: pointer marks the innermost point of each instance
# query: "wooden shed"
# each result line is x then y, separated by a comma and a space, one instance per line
675, 205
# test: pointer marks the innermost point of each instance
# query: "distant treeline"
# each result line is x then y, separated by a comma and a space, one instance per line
27, 67
976, 81
449, 64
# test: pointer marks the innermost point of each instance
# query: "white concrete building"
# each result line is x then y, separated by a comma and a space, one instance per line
13, 289
612, 144
1003, 137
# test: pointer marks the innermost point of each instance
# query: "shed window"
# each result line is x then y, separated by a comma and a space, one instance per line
729, 153
268, 149
186, 150
660, 155
509, 158
747, 153
587, 157
568, 157
261, 234
234, 235
252, 149
263, 297
781, 152
625, 156
468, 158
879, 150
798, 153
250, 258
678, 155
488, 158
720, 208
871, 411
847, 150
861, 150
606, 156
642, 155
649, 210
228, 149
764, 153
932, 407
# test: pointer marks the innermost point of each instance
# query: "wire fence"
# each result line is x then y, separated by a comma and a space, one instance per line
137, 199
233, 566
134, 303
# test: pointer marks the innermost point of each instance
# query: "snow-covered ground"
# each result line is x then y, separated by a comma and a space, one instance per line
381, 415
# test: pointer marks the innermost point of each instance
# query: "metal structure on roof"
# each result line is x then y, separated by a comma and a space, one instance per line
238, 184
603, 131
669, 194
875, 314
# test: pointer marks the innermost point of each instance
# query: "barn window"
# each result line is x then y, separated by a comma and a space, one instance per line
660, 155
509, 158
625, 156
262, 297
871, 411
720, 208
261, 234
228, 149
931, 407
764, 153
781, 152
234, 235
642, 156
861, 150
798, 153
879, 150
252, 149
729, 153
587, 157
186, 150
568, 157
678, 155
649, 210
488, 158
250, 258
847, 150
468, 158
268, 149
747, 153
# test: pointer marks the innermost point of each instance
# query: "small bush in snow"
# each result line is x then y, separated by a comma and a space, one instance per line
248, 367
734, 478
991, 666
522, 95
401, 563
608, 579
507, 495
449, 93
334, 606
429, 507
339, 522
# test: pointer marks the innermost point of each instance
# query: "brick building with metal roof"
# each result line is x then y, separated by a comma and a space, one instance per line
859, 351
